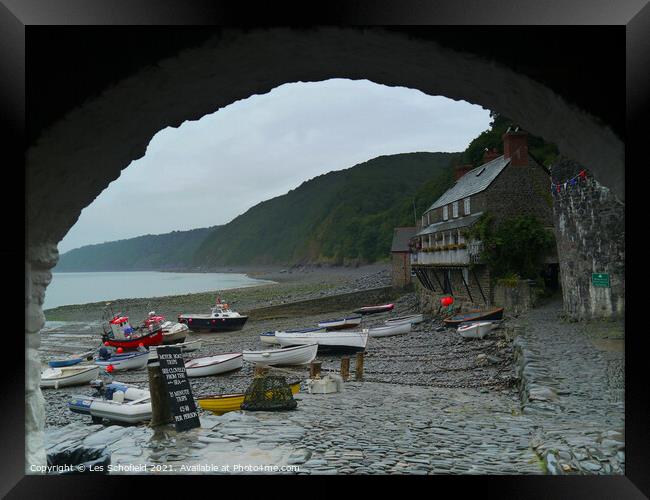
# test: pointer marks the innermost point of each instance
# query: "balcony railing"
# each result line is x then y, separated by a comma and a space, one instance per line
475, 249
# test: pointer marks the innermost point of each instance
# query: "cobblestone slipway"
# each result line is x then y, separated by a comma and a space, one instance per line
430, 403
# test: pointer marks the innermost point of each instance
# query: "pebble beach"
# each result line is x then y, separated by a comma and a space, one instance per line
429, 402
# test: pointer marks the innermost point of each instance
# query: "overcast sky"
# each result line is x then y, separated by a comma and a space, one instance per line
206, 172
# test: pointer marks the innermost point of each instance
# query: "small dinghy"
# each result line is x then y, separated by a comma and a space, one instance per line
350, 339
390, 330
413, 319
214, 365
115, 402
72, 360
298, 355
133, 360
223, 403
67, 376
493, 314
269, 337
374, 309
476, 330
340, 323
173, 333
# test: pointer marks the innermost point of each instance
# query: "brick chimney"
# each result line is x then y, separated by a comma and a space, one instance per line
515, 146
490, 154
460, 170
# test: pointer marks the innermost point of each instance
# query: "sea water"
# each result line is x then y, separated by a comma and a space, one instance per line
81, 288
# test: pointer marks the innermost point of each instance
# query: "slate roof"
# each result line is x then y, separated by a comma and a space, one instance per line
466, 221
401, 237
471, 183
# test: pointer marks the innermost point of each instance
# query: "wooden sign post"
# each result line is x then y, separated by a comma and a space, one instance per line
177, 388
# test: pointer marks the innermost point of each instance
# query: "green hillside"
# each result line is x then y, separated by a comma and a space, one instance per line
339, 217
150, 252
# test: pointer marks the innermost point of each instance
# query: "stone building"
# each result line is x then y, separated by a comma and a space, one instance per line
400, 256
590, 236
511, 184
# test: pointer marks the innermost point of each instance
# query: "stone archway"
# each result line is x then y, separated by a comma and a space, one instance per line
79, 155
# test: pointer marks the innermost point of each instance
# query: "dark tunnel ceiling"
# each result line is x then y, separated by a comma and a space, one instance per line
68, 65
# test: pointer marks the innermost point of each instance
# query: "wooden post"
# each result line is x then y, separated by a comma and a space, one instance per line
160, 413
345, 367
359, 366
261, 370
314, 369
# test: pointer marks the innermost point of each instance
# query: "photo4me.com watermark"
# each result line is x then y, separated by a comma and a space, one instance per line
155, 468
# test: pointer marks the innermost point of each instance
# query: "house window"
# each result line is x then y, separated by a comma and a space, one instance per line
455, 209
445, 212
466, 202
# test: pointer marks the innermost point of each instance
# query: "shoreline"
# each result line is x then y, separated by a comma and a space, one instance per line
285, 285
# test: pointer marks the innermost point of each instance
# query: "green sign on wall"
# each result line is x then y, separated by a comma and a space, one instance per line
600, 279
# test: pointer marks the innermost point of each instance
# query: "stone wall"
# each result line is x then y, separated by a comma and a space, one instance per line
590, 234
515, 299
400, 269
521, 190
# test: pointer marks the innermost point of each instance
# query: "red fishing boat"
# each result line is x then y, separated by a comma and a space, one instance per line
123, 335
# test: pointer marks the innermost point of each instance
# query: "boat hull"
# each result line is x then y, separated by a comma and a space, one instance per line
413, 319
198, 324
341, 323
224, 403
68, 376
64, 362
153, 338
374, 309
494, 314
195, 368
345, 339
175, 335
269, 338
476, 330
129, 361
297, 355
388, 331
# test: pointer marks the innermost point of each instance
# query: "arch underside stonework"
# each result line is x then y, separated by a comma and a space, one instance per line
77, 157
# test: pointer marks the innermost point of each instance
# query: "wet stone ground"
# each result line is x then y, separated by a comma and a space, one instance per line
429, 403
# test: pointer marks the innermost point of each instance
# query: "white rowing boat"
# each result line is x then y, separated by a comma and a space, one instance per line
214, 365
387, 331
339, 338
297, 355
68, 375
411, 318
477, 330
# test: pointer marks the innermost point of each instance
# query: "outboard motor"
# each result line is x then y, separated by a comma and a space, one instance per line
104, 353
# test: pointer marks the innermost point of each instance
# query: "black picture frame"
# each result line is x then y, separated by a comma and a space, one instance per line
16, 16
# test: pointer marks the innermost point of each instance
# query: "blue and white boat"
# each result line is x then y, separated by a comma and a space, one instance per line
133, 360
115, 402
75, 359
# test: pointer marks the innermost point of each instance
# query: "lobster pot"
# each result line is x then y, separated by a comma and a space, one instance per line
269, 393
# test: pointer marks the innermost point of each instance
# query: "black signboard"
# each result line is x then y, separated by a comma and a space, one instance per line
179, 393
